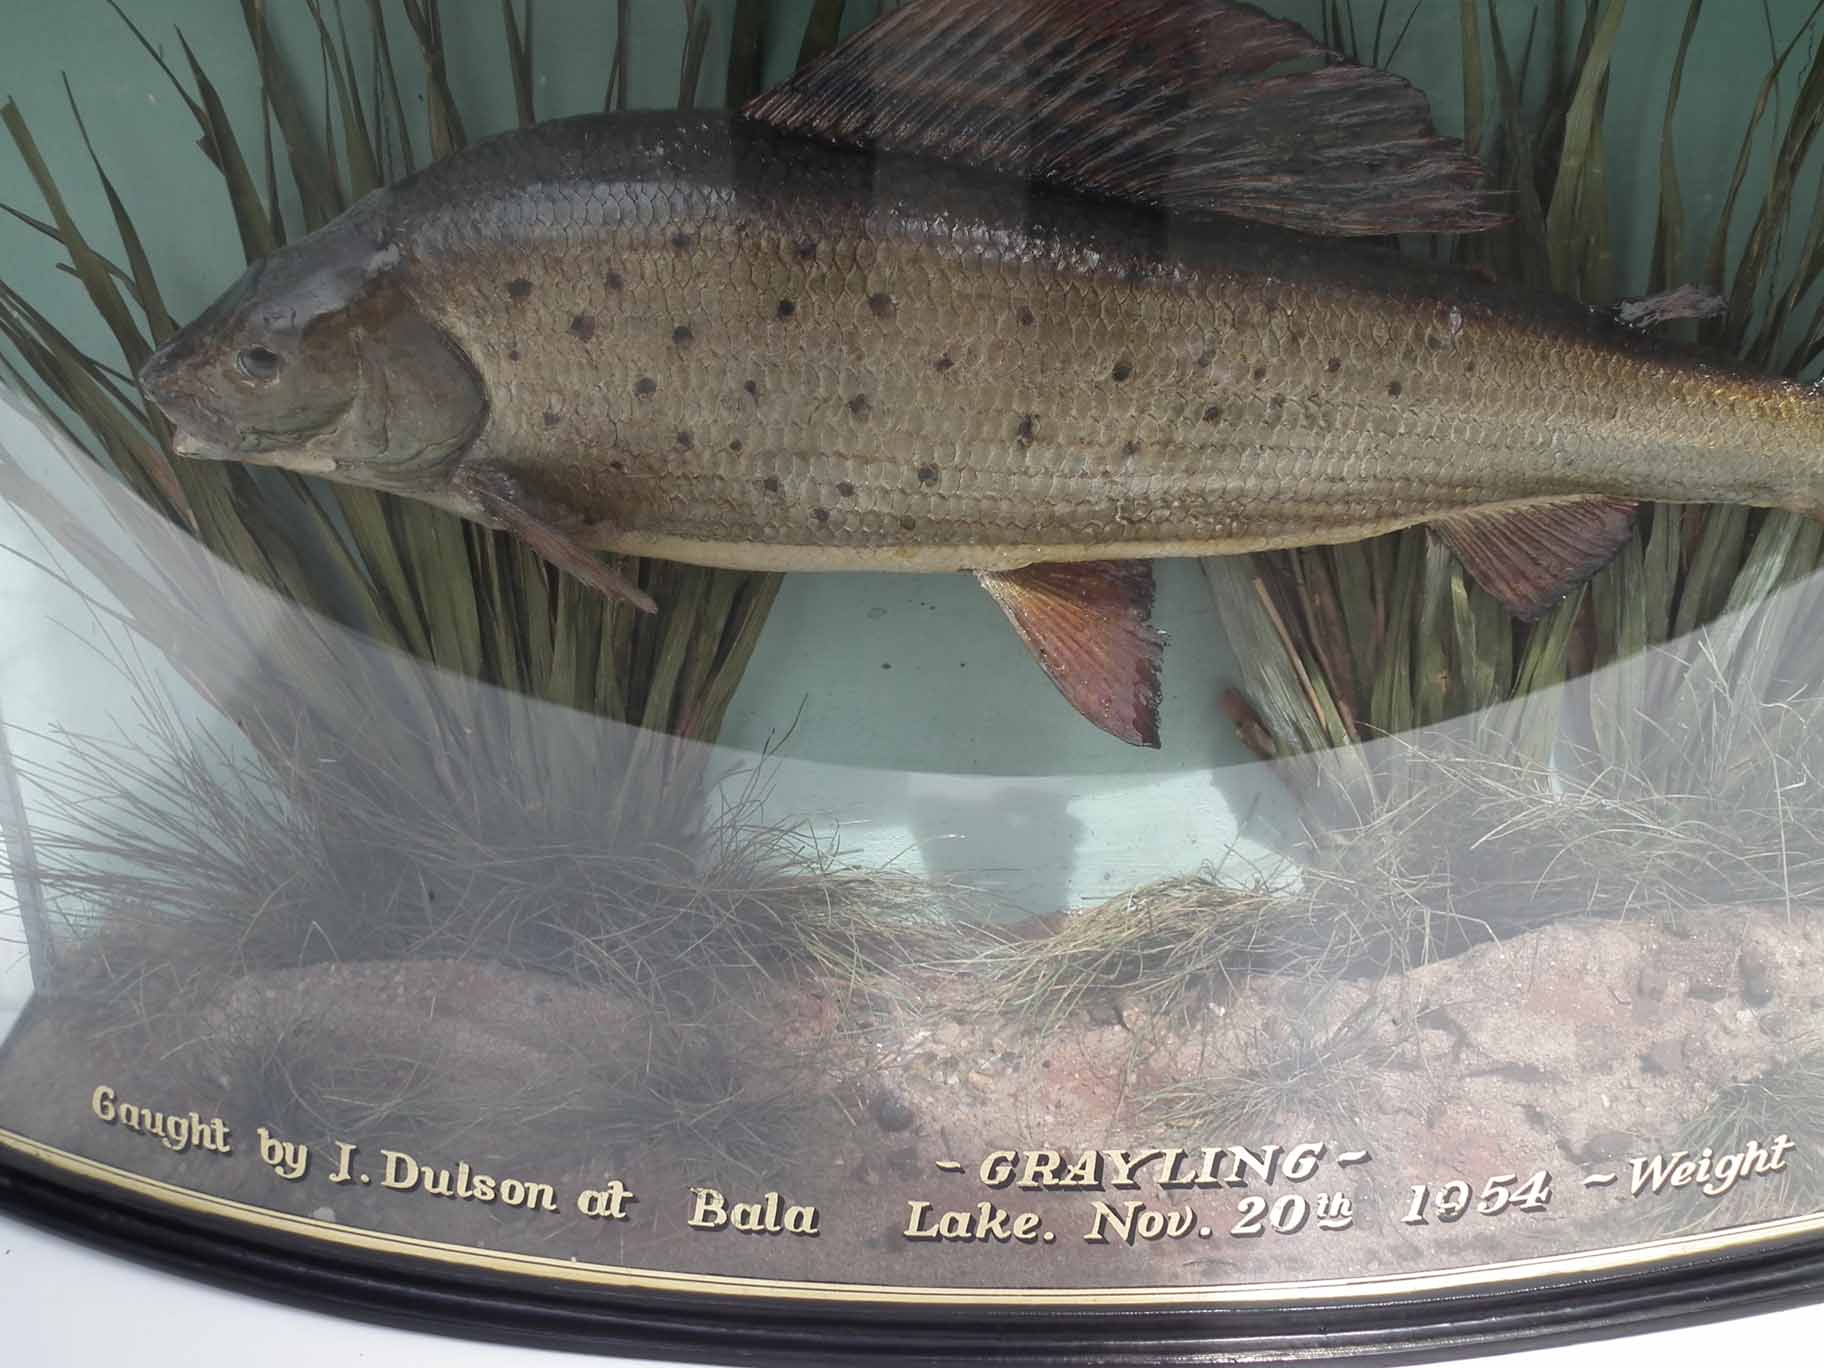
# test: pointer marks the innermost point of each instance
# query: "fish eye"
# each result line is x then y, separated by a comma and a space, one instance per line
259, 363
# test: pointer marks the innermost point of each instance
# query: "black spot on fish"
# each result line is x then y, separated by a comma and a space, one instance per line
927, 474
735, 446
1277, 404
1028, 429
844, 488
1026, 316
1395, 388
617, 466
821, 514
645, 387
1334, 364
1205, 360
907, 522
513, 355
943, 363
682, 336
770, 484
753, 388
1129, 99
1130, 448
552, 418
1260, 373
685, 441
1123, 372
682, 240
1032, 42
882, 305
1142, 55
1213, 414
787, 308
582, 327
615, 281
1469, 368
519, 288
1435, 342
859, 406
807, 250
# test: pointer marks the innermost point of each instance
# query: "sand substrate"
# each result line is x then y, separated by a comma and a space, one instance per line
1574, 1050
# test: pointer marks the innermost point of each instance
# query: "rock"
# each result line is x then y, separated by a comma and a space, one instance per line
1606, 1147
891, 1112
980, 1081
1777, 1025
1104, 1011
903, 1162
1707, 990
1652, 983
1757, 976
1667, 1057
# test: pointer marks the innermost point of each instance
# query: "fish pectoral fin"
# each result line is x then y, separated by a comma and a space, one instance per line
500, 497
1089, 625
1531, 555
1187, 106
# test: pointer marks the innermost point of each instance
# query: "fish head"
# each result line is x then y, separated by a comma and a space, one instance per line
319, 361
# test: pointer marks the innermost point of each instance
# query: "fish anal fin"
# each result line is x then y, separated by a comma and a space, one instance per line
1181, 104
1089, 625
499, 497
1531, 555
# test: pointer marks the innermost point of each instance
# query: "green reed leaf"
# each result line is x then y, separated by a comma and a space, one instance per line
1667, 270
519, 60
822, 30
318, 191
358, 149
1577, 221
447, 131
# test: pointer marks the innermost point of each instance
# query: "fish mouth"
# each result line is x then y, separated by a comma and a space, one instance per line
189, 444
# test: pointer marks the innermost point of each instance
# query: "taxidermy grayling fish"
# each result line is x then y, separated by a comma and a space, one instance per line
1035, 289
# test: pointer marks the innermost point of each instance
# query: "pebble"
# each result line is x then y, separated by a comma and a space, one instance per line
1777, 1025
1757, 977
1652, 982
891, 1112
1664, 1058
1606, 1146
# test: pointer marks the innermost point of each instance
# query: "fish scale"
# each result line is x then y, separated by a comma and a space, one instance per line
1077, 374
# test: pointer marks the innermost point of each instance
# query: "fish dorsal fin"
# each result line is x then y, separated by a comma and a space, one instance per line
1180, 104
1531, 555
1089, 624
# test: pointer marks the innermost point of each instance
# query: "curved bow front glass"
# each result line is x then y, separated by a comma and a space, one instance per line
510, 771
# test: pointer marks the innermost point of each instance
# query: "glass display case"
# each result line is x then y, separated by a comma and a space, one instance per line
847, 679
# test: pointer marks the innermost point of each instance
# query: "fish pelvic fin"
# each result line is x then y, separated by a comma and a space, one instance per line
1532, 555
1089, 625
500, 497
1179, 104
